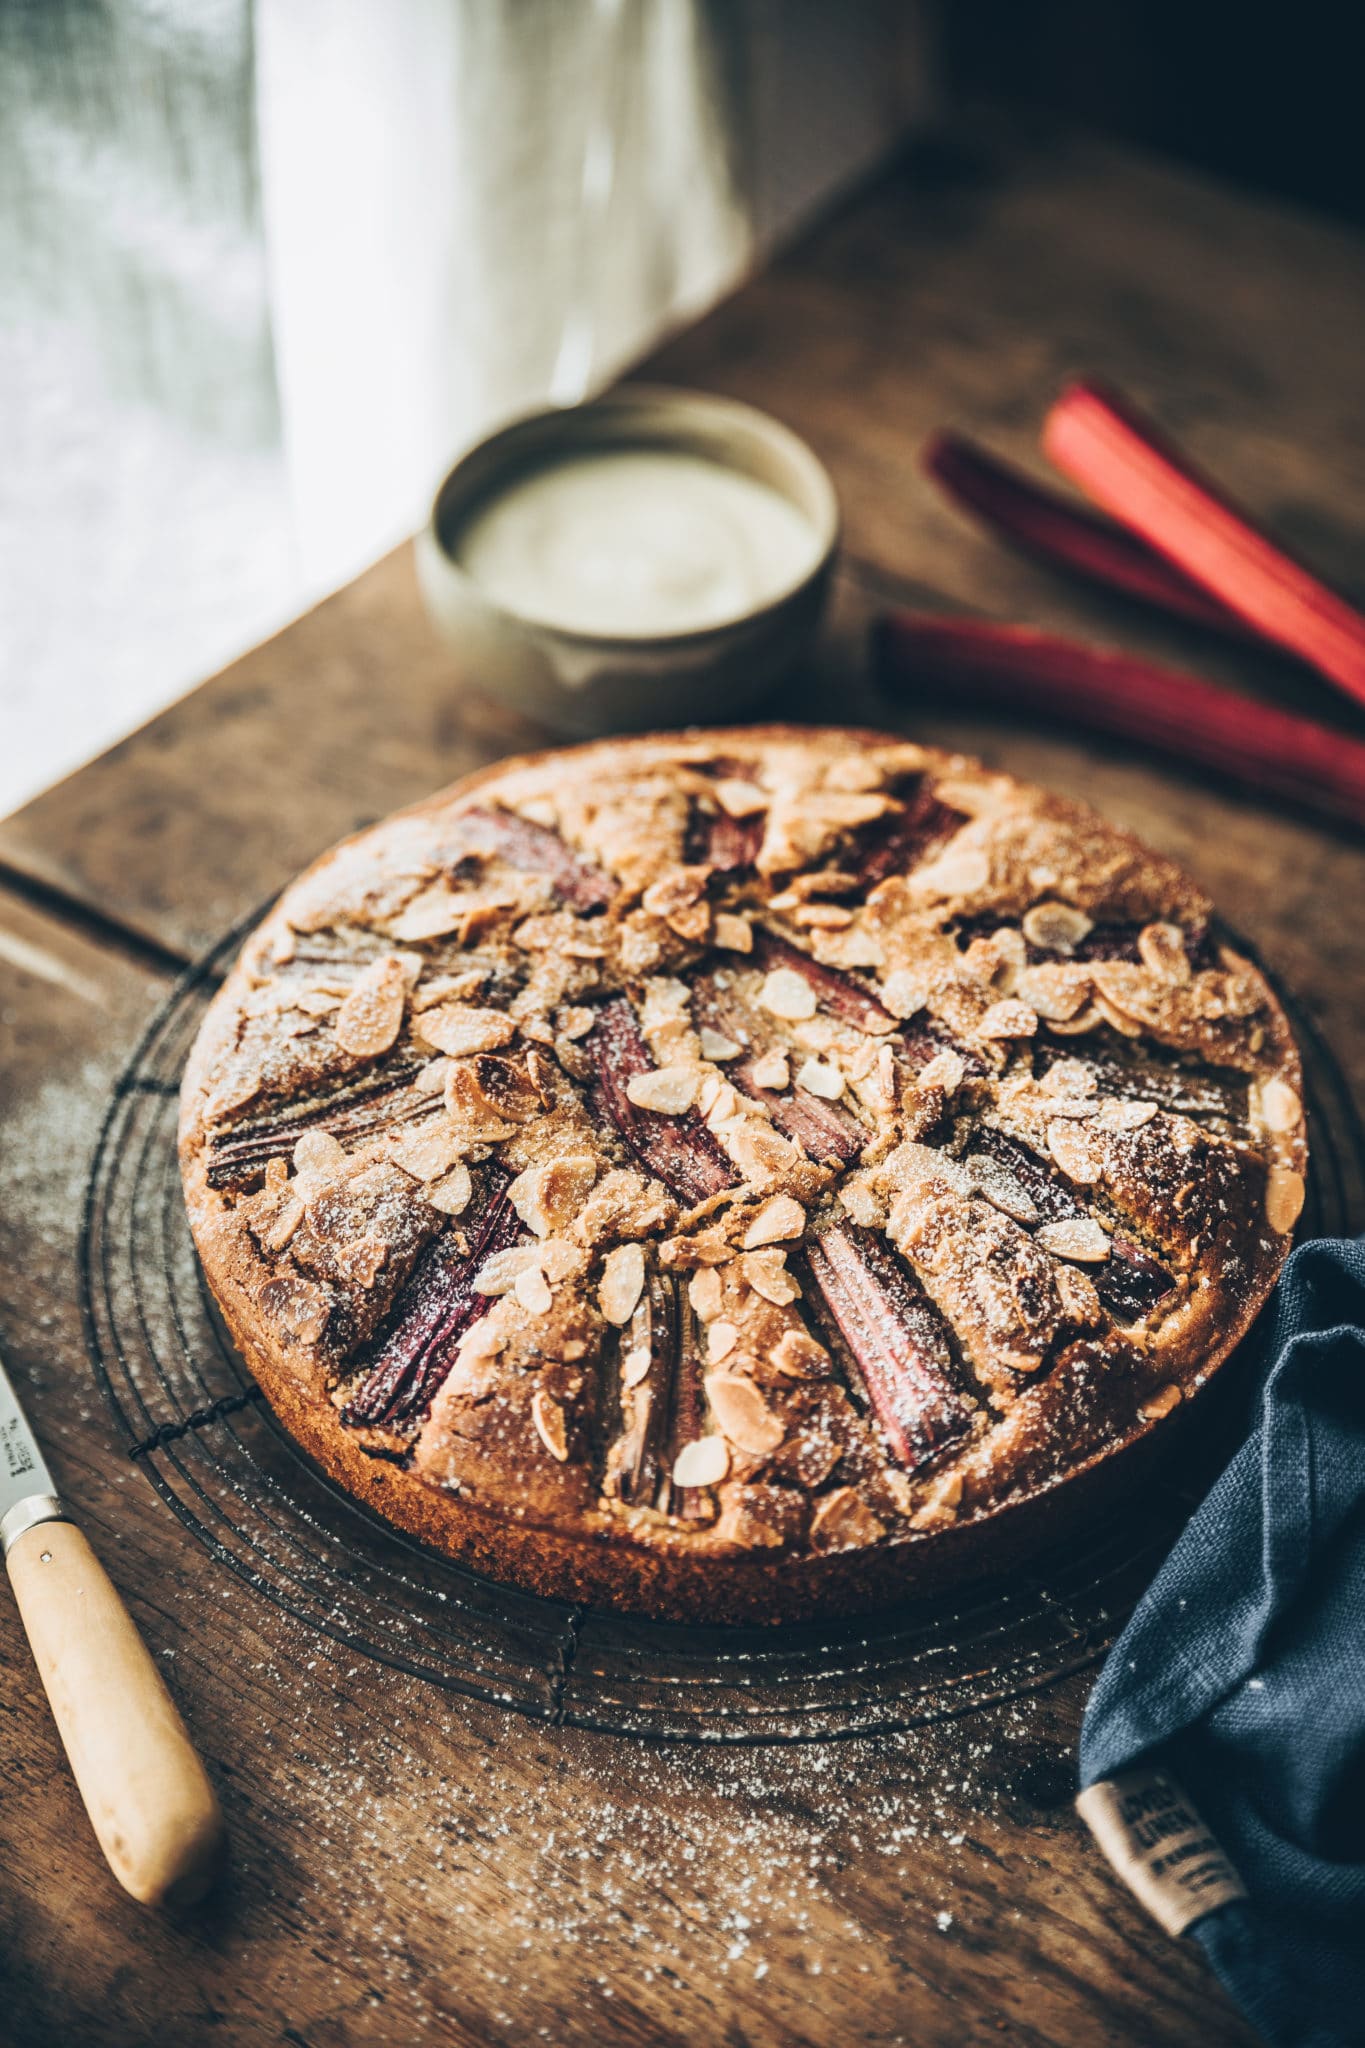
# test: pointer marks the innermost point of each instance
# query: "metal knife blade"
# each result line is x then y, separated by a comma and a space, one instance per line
23, 1469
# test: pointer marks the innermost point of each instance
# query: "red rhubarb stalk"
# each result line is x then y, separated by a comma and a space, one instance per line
898, 842
437, 1306
895, 1338
351, 1111
825, 1131
1046, 527
1130, 1281
1126, 465
714, 839
536, 849
678, 1150
654, 1328
834, 990
1014, 669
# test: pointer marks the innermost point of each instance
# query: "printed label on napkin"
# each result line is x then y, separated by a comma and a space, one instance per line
1159, 1846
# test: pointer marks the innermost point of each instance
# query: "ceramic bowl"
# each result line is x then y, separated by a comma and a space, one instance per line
589, 684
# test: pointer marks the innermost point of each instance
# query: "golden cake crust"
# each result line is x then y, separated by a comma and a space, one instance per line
856, 1152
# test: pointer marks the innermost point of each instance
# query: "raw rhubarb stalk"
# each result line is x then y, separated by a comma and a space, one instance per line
1016, 670
895, 1338
1130, 1281
536, 849
835, 991
678, 1150
1100, 440
901, 840
439, 1303
1062, 535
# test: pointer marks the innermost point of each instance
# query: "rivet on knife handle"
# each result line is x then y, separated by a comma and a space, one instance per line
150, 1803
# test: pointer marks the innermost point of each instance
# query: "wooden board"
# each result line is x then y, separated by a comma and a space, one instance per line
412, 1866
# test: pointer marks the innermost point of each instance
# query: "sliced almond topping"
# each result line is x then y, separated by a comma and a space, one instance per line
704, 1462
766, 1272
548, 1418
964, 871
716, 1046
532, 1290
1161, 948
675, 890
797, 1355
739, 798
287, 1220
371, 1017
721, 1339
1072, 1027
771, 1070
779, 1218
635, 1365
316, 1002
1073, 1151
821, 1077
1281, 1109
1076, 1292
1160, 1403
945, 1070
576, 1021
458, 1028
829, 917
1284, 1192
317, 1152
548, 1197
1117, 1019
785, 993
843, 1521
669, 1090
1121, 1114
484, 1340
623, 1279
902, 993
733, 934
1057, 989
1003, 1189
1056, 927
705, 1293
1069, 1077
499, 1274
744, 1416
430, 1151
452, 1194
862, 1205
557, 1258
1079, 1237
1008, 1019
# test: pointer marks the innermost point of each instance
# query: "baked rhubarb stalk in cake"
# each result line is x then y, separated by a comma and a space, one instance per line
739, 1175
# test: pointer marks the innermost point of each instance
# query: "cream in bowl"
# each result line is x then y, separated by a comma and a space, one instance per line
653, 557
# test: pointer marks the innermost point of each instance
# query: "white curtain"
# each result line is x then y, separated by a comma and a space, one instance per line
263, 270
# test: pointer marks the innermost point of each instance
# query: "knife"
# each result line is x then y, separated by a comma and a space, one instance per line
149, 1800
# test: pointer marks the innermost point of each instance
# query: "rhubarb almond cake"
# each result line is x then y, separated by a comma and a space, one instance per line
739, 1175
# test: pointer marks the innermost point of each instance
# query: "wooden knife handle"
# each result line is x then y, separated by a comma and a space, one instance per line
147, 1794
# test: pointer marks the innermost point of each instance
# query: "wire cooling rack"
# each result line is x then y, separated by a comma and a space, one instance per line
190, 1416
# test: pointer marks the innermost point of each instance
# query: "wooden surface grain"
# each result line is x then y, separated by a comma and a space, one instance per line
407, 1865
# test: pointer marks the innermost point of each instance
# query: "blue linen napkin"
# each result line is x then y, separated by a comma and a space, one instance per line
1243, 1669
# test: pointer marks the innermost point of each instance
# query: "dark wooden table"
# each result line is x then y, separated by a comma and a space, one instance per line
409, 1866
